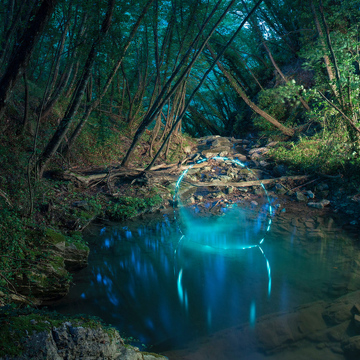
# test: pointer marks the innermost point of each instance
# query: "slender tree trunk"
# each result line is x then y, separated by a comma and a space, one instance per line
337, 71
9, 32
161, 100
221, 53
109, 80
57, 92
237, 88
323, 45
57, 62
303, 102
26, 104
22, 53
65, 123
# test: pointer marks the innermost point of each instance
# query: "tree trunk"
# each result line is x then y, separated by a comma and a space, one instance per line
57, 92
263, 114
323, 45
21, 54
26, 104
65, 123
110, 78
204, 78
303, 102
161, 100
337, 71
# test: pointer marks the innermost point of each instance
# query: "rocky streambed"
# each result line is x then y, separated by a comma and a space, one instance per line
209, 188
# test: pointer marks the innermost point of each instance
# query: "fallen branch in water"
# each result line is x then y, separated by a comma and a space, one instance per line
251, 183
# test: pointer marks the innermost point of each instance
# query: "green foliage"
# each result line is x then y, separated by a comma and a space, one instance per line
127, 207
281, 103
323, 153
19, 244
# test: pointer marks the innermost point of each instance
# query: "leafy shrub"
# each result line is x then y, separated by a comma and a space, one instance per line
319, 154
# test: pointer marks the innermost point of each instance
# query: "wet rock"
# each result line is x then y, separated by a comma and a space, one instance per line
356, 309
224, 178
195, 156
337, 349
310, 194
300, 197
240, 157
316, 205
322, 186
243, 189
46, 281
319, 205
357, 321
224, 153
351, 347
254, 174
279, 189
264, 164
323, 194
272, 144
194, 171
190, 200
338, 333
276, 331
257, 153
280, 170
75, 256
225, 150
259, 191
340, 310
260, 151
221, 141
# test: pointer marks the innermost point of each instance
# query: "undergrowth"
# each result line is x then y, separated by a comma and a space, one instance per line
319, 154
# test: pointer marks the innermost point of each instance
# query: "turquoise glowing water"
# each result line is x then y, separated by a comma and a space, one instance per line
164, 289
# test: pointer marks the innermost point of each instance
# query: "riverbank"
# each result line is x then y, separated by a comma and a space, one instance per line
119, 194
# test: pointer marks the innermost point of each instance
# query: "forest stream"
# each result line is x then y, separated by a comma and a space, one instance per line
215, 293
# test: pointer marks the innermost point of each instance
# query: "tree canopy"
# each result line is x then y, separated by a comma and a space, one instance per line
97, 68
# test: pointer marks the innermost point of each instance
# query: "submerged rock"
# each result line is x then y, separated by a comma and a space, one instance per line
319, 205
279, 189
300, 196
351, 347
276, 331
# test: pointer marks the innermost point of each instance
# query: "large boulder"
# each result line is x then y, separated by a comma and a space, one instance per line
78, 342
279, 330
50, 279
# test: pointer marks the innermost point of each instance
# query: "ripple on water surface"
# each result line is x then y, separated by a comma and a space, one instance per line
206, 294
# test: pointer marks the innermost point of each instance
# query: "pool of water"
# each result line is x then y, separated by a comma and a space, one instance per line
165, 287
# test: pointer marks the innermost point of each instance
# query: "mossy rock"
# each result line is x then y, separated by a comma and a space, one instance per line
54, 237
76, 255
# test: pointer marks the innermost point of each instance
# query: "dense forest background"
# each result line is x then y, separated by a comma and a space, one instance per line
83, 73
129, 83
